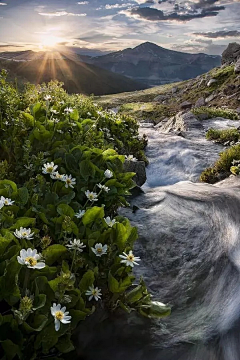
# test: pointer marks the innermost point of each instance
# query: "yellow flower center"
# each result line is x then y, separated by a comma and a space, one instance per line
24, 234
50, 169
94, 292
6, 202
130, 257
69, 181
99, 250
59, 315
31, 261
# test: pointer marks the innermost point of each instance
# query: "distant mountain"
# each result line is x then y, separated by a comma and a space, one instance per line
154, 65
77, 76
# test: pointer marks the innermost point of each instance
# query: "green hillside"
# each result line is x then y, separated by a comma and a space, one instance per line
77, 76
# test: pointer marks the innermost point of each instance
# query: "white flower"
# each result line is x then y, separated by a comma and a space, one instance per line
55, 120
108, 174
48, 97
5, 201
68, 111
69, 181
57, 176
110, 222
89, 114
54, 111
100, 250
130, 158
76, 245
92, 196
93, 292
49, 168
103, 187
60, 315
130, 259
80, 214
24, 233
30, 258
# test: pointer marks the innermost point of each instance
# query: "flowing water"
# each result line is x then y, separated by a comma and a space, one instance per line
189, 243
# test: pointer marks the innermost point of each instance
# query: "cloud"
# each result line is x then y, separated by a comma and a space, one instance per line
210, 49
219, 34
60, 13
152, 14
3, 4
117, 6
83, 2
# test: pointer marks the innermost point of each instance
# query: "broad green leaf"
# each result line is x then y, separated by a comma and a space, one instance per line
36, 323
10, 349
113, 284
24, 222
64, 209
64, 344
77, 315
54, 253
92, 215
23, 195
134, 295
86, 281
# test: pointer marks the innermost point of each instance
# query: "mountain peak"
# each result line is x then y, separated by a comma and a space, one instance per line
148, 45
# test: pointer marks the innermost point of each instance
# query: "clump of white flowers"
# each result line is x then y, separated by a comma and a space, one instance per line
130, 158
108, 174
129, 259
50, 168
100, 249
76, 245
93, 293
60, 315
31, 258
110, 222
5, 202
92, 196
57, 176
68, 110
24, 233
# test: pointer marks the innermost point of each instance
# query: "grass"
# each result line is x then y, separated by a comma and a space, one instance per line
222, 136
213, 112
146, 111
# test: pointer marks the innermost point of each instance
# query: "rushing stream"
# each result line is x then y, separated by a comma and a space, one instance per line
189, 243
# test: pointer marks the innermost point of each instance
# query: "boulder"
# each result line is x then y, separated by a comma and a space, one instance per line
200, 102
210, 82
139, 168
181, 123
231, 54
174, 90
237, 67
210, 98
186, 105
160, 98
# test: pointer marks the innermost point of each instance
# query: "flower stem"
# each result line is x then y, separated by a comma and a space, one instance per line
73, 260
27, 273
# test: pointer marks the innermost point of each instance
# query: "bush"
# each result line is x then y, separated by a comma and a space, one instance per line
63, 248
221, 168
223, 136
216, 112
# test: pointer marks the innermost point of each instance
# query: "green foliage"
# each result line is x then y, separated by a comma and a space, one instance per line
216, 112
221, 168
51, 228
223, 136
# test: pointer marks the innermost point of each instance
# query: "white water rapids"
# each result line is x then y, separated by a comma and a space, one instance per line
189, 243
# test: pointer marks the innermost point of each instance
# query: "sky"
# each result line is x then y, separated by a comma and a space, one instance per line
109, 25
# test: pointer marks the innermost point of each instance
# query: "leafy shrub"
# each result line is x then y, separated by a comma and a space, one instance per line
216, 112
221, 168
223, 136
63, 248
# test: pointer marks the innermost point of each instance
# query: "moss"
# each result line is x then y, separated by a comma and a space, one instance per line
148, 110
209, 175
223, 135
213, 112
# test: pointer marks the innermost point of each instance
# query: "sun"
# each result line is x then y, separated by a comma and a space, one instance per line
50, 42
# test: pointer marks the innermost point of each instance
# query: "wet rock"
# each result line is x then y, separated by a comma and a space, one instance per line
210, 82
231, 54
237, 67
186, 105
139, 168
181, 123
200, 102
238, 110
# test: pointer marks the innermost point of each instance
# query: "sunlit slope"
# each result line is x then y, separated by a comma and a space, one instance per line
77, 76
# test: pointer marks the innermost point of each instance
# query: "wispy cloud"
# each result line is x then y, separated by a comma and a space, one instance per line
219, 34
60, 13
3, 4
117, 6
83, 2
